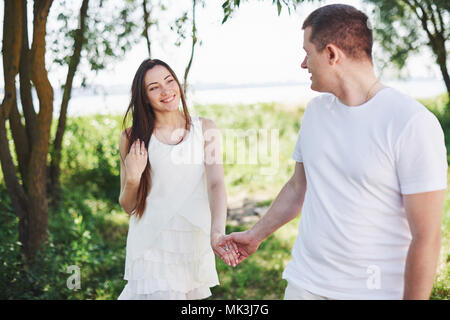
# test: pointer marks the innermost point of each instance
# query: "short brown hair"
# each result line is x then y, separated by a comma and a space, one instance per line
343, 26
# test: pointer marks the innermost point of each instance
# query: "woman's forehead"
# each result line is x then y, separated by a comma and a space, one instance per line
156, 74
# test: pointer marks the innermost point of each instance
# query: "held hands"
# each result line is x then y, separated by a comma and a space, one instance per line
136, 161
228, 251
241, 245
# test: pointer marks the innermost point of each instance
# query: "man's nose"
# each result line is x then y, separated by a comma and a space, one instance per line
303, 65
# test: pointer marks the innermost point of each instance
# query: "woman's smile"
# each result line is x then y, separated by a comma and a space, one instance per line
169, 99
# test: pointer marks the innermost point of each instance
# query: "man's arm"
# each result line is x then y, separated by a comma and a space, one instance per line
424, 214
285, 207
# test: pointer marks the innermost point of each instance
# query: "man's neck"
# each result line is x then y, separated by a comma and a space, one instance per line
357, 86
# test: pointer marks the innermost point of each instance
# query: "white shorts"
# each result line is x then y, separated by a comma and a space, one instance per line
296, 293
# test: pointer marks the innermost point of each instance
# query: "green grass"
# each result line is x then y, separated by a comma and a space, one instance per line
89, 228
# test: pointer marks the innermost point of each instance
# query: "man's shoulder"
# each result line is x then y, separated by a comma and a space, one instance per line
403, 111
320, 101
402, 104
322, 98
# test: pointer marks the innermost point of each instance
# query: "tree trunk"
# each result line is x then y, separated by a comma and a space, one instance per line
35, 183
12, 35
54, 187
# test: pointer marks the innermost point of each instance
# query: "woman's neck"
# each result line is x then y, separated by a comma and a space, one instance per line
170, 120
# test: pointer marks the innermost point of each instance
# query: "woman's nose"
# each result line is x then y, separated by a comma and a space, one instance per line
164, 90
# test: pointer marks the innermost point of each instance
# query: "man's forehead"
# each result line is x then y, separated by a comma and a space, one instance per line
307, 33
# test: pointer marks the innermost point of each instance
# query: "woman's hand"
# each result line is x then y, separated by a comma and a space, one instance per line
136, 161
228, 252
246, 243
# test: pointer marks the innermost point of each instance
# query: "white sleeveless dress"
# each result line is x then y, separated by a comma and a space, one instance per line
168, 253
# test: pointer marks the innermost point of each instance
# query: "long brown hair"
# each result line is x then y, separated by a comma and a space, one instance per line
143, 122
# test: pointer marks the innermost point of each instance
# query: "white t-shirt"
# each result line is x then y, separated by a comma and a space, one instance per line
353, 235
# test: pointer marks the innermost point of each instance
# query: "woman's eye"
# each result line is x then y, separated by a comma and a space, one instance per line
153, 88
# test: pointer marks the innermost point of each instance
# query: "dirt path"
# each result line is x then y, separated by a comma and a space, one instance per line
246, 211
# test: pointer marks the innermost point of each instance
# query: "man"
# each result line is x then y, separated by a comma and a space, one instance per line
370, 177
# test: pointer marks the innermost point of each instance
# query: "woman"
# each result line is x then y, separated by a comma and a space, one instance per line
176, 199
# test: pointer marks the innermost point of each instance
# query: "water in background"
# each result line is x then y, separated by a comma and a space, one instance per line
114, 100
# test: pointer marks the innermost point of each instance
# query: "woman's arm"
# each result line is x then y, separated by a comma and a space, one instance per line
131, 168
216, 191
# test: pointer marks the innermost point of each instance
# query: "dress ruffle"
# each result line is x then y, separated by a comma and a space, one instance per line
195, 294
181, 266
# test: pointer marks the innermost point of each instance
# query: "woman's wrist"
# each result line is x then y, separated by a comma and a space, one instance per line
132, 181
216, 235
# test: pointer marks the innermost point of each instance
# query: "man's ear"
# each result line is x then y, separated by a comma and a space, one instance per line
334, 54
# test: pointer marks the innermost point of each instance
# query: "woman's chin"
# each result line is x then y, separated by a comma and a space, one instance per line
171, 107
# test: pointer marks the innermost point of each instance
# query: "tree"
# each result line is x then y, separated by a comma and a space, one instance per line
405, 26
98, 39
31, 141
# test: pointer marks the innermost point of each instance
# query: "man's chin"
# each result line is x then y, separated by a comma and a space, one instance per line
317, 88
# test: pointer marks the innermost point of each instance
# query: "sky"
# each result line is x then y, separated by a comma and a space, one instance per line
255, 46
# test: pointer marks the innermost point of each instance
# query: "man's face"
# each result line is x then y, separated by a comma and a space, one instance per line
316, 62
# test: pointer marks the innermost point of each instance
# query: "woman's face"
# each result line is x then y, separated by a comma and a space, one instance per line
162, 89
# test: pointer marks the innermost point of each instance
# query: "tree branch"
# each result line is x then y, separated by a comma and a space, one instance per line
73, 65
25, 81
432, 16
441, 23
423, 19
194, 41
147, 24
